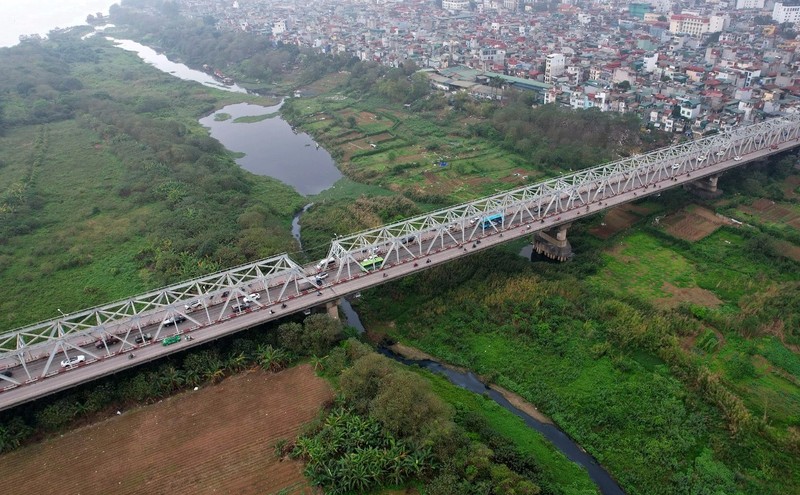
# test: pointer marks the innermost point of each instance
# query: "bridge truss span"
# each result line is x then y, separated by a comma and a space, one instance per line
587, 188
230, 300
123, 321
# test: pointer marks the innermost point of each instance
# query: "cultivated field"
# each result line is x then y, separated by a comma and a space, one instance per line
772, 212
618, 219
219, 439
693, 223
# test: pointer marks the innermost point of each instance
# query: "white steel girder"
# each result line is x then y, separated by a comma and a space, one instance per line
124, 319
554, 196
461, 224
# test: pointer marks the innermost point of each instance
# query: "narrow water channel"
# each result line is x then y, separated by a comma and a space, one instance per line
296, 225
469, 381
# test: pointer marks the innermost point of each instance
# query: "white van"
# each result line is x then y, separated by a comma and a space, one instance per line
325, 264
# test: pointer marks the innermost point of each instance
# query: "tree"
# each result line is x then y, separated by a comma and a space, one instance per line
407, 407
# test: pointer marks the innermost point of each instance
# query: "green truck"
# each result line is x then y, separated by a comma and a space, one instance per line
172, 339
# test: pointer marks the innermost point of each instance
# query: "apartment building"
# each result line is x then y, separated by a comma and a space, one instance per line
786, 13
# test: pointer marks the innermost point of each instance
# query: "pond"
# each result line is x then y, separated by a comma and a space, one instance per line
271, 147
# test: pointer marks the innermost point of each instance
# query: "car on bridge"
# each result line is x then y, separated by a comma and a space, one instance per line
110, 340
737, 158
172, 339
174, 320
140, 339
70, 362
239, 308
324, 264
193, 306
255, 296
7, 373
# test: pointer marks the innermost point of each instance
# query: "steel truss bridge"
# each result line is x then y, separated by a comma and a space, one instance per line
209, 307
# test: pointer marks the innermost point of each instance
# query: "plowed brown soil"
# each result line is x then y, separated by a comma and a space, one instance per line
618, 219
219, 439
770, 211
693, 223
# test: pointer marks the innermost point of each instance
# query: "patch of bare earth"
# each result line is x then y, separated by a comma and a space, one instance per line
694, 295
693, 223
773, 212
219, 439
619, 219
790, 186
788, 250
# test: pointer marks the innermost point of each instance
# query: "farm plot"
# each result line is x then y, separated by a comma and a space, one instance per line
772, 212
692, 223
217, 440
618, 219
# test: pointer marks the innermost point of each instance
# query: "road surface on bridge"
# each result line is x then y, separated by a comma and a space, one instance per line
40, 376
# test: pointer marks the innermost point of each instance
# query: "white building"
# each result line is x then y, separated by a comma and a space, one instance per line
786, 13
695, 25
455, 5
553, 66
750, 4
650, 63
661, 6
280, 26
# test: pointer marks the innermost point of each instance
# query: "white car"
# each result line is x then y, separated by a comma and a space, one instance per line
69, 362
702, 158
193, 306
720, 152
255, 296
676, 166
737, 158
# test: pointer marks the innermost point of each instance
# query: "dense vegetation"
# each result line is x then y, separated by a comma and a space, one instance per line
389, 426
708, 395
110, 186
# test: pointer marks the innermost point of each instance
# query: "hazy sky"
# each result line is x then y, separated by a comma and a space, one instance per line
40, 16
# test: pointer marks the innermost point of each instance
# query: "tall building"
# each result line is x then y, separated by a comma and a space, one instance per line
750, 4
455, 5
696, 25
553, 66
638, 10
786, 13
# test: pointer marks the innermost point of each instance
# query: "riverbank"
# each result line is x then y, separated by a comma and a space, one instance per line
159, 182
514, 399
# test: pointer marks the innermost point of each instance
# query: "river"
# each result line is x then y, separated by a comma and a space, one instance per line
467, 380
295, 159
181, 71
41, 16
268, 144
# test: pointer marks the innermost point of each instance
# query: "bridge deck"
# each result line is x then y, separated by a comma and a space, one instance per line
406, 247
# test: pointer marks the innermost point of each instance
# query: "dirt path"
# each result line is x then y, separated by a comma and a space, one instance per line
219, 439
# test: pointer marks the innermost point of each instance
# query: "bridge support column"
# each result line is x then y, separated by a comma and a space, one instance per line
333, 309
706, 187
553, 243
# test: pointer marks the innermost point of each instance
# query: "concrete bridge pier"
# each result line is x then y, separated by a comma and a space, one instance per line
553, 243
333, 309
706, 187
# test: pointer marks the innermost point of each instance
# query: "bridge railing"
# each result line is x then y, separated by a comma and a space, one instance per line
125, 318
459, 222
559, 194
